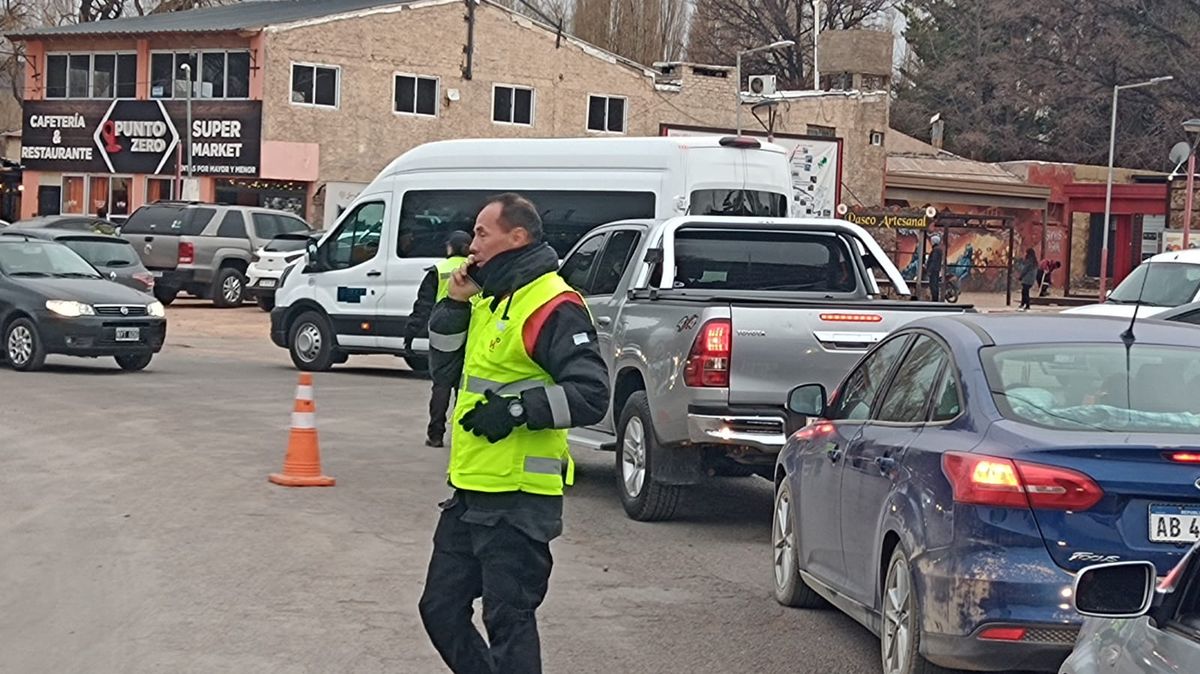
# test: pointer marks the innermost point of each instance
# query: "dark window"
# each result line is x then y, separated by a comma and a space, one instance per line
104, 253
56, 76
577, 269
195, 220
233, 225
416, 95
104, 75
855, 402
237, 82
126, 75
739, 202
180, 89
315, 85
302, 84
1192, 317
908, 397
213, 75
155, 219
78, 71
606, 113
327, 87
822, 131
948, 404
512, 105
617, 254
162, 75
357, 238
429, 216
290, 225
716, 259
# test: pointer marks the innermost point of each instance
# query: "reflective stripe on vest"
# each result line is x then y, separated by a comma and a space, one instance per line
445, 269
536, 462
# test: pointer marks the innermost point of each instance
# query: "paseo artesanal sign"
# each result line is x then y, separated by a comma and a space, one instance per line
142, 137
888, 218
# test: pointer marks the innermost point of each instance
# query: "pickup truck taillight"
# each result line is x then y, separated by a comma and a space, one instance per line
187, 253
708, 362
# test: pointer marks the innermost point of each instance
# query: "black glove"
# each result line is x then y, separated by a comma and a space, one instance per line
492, 419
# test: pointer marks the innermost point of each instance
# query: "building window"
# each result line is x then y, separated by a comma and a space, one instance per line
215, 74
416, 95
606, 114
159, 189
72, 195
822, 131
315, 85
91, 75
512, 105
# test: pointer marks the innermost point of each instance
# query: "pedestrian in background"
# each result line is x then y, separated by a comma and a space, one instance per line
1027, 270
933, 268
434, 288
1045, 271
523, 344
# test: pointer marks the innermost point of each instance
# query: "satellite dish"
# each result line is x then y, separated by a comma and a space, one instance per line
1180, 152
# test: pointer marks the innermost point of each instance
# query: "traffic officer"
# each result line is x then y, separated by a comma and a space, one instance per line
525, 353
433, 289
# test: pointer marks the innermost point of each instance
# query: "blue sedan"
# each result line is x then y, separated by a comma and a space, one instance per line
969, 465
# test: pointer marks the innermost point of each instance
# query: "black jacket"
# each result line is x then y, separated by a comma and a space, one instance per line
565, 347
426, 297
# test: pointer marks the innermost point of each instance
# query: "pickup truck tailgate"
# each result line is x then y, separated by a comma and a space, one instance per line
776, 348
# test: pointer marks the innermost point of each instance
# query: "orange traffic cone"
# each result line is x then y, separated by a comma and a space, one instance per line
302, 465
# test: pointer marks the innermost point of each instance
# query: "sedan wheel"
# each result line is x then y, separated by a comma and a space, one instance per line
23, 347
790, 588
900, 636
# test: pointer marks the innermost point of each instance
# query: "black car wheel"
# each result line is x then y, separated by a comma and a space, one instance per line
311, 343
134, 362
644, 499
23, 347
229, 288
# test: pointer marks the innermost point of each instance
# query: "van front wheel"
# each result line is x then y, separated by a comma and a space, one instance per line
311, 343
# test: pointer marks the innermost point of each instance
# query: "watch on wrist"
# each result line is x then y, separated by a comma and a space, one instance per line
517, 410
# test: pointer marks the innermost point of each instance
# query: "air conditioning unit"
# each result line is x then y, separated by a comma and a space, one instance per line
762, 85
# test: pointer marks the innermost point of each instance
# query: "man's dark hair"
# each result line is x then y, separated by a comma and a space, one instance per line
517, 211
459, 243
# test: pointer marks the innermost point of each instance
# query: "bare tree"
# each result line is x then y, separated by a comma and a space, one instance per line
720, 28
640, 30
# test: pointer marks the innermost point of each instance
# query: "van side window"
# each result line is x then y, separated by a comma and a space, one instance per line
427, 217
739, 202
614, 261
357, 238
577, 269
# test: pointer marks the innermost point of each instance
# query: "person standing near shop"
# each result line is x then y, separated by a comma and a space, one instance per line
434, 288
1027, 269
933, 267
522, 343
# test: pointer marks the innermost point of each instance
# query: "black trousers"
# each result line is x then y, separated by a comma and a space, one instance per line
935, 288
1025, 295
439, 402
510, 570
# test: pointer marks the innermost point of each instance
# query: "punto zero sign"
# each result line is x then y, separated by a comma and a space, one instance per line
142, 137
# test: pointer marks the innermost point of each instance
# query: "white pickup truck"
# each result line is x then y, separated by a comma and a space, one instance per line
706, 323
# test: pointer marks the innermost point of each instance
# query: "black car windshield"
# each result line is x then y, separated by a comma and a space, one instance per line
42, 258
738, 202
1168, 284
1153, 389
101, 253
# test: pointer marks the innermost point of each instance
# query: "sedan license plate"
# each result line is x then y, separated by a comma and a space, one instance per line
267, 283
1174, 523
129, 334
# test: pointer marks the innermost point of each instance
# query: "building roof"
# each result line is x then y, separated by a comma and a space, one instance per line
947, 166
247, 15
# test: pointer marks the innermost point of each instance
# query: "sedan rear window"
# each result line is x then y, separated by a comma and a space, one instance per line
1151, 388
102, 253
716, 259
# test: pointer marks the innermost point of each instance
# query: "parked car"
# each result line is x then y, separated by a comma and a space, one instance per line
78, 223
945, 495
270, 261
1184, 313
53, 302
112, 256
203, 249
1114, 640
1164, 281
705, 323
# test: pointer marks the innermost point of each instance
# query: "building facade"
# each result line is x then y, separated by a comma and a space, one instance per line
298, 105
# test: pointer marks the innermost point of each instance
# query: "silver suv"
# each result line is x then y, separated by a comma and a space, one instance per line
203, 249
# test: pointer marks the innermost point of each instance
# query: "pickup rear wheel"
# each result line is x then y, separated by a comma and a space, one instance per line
229, 288
644, 499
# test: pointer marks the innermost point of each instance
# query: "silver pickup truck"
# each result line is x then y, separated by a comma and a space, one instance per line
707, 322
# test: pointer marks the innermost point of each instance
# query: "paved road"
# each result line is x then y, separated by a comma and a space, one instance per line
140, 534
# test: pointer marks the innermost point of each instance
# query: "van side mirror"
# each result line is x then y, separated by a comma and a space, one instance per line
808, 400
311, 262
1115, 590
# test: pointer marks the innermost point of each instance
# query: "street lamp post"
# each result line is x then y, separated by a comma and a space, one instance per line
738, 89
187, 68
1112, 144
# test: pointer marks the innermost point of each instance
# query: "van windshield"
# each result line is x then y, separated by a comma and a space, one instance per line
428, 217
739, 202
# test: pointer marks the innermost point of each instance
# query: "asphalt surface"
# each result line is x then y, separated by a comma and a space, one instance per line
140, 534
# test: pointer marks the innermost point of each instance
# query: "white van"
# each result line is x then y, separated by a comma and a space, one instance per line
355, 290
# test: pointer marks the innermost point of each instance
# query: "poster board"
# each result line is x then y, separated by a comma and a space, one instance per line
816, 167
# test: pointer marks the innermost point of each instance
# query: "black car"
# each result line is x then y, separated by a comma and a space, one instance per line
112, 256
78, 223
53, 302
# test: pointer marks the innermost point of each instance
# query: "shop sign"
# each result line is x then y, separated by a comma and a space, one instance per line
888, 218
142, 137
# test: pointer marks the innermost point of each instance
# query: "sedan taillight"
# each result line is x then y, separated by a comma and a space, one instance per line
145, 279
992, 481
